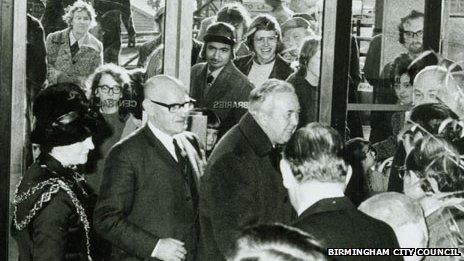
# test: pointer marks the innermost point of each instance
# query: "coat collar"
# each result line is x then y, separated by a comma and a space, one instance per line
217, 89
156, 143
89, 40
328, 205
278, 63
255, 135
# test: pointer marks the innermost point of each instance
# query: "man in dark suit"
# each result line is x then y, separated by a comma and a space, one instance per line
148, 198
315, 175
242, 185
217, 84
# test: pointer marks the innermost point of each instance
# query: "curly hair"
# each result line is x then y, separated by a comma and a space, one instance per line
434, 157
121, 76
316, 152
80, 6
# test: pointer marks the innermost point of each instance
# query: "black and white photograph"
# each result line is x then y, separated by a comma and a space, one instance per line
232, 130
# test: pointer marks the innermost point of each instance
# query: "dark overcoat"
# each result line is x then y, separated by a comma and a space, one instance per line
55, 231
336, 223
240, 188
281, 69
227, 97
144, 197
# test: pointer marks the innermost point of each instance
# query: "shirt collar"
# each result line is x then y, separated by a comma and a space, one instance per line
216, 72
73, 39
164, 138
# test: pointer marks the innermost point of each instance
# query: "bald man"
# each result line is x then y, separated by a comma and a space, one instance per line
148, 204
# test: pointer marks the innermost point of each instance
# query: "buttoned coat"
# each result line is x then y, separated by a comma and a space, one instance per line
281, 69
240, 188
336, 223
144, 197
62, 67
227, 96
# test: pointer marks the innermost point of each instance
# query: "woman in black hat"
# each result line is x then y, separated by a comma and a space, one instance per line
52, 203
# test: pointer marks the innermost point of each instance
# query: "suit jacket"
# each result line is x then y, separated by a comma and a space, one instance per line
62, 67
227, 97
144, 196
336, 223
280, 71
240, 188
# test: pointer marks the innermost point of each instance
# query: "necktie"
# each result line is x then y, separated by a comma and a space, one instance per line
187, 172
209, 83
74, 49
275, 156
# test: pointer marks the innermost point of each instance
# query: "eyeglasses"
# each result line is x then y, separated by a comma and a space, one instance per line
175, 107
107, 89
268, 40
410, 34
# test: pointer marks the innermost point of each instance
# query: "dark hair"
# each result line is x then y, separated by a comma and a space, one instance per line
264, 22
121, 76
307, 51
316, 152
354, 155
431, 115
234, 14
434, 157
213, 121
138, 78
411, 16
276, 242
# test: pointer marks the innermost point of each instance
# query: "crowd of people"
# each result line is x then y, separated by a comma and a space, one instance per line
115, 175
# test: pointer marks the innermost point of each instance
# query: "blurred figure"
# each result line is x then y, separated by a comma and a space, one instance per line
110, 14
405, 217
149, 166
281, 12
73, 53
218, 84
276, 242
52, 19
362, 157
428, 116
53, 205
135, 119
434, 177
294, 32
236, 15
428, 82
212, 128
264, 39
402, 78
306, 80
155, 64
111, 96
315, 175
242, 185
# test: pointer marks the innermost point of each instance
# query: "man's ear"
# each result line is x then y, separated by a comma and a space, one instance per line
287, 174
349, 173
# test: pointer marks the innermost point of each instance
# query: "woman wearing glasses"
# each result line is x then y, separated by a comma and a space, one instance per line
111, 96
53, 205
264, 39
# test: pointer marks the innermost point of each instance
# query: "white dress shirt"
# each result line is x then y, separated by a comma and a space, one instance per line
166, 139
73, 39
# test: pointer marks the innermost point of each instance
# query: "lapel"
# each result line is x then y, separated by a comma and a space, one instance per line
220, 86
159, 148
64, 46
248, 64
275, 70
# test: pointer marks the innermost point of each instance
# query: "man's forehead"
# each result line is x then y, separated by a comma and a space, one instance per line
217, 45
414, 23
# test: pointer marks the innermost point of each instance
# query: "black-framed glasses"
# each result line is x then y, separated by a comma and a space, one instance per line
411, 34
108, 89
175, 107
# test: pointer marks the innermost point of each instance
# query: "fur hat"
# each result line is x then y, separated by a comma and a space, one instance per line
220, 32
62, 116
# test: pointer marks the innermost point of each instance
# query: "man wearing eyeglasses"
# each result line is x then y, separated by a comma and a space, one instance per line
410, 32
148, 204
217, 84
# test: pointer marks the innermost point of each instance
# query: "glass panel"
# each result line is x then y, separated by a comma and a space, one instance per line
270, 47
389, 36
